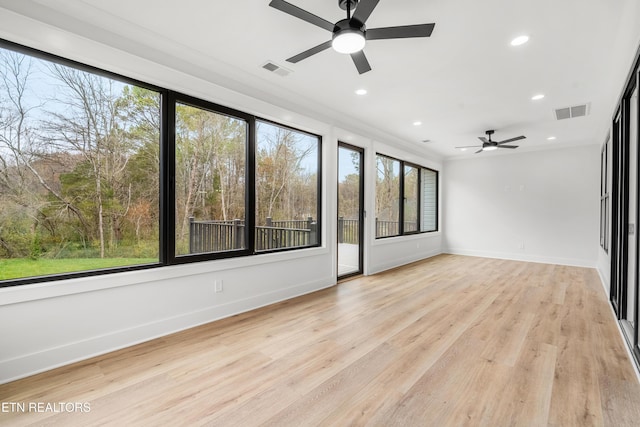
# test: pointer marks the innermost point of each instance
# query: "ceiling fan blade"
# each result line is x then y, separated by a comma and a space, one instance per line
364, 9
508, 146
479, 151
361, 62
517, 138
483, 139
402, 32
307, 53
292, 10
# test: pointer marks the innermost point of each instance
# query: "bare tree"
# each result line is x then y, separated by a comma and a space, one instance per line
281, 179
90, 127
21, 152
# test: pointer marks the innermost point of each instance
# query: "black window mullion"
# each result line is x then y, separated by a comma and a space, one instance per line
250, 187
401, 200
167, 177
419, 202
319, 196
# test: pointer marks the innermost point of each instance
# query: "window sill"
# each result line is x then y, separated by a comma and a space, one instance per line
53, 289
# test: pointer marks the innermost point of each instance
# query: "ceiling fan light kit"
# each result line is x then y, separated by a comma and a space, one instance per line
350, 35
347, 38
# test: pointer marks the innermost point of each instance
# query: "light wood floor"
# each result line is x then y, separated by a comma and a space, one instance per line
444, 342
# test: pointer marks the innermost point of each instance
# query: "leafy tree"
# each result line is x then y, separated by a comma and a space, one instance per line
210, 168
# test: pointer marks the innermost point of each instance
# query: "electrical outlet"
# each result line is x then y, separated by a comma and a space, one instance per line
218, 286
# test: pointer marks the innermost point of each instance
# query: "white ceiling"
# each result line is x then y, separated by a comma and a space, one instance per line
464, 79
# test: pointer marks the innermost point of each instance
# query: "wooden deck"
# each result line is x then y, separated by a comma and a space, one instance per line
448, 341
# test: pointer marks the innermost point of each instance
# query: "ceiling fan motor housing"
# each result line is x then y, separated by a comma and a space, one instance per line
348, 26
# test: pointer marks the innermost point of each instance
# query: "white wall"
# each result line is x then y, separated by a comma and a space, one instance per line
51, 324
538, 206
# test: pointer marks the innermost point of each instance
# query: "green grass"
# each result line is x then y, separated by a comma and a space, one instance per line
22, 267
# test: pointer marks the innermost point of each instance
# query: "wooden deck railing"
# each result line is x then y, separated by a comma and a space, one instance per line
219, 236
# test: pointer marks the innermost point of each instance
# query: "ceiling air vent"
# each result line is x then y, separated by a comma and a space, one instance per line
572, 112
277, 69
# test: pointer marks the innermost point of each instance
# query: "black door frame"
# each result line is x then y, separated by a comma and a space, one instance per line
618, 261
361, 210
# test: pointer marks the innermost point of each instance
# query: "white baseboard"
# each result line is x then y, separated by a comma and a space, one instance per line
574, 262
398, 262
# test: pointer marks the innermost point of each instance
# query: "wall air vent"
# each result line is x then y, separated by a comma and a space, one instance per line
277, 69
572, 112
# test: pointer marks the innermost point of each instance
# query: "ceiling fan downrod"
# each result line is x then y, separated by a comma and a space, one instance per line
347, 5
489, 133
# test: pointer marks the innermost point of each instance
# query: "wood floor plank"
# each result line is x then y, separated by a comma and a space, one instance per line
448, 341
575, 361
525, 397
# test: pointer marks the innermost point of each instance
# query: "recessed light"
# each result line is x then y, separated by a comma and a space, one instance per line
361, 92
417, 123
463, 149
520, 40
551, 138
537, 97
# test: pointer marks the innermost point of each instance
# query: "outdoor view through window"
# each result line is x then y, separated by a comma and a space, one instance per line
79, 170
80, 174
286, 187
210, 178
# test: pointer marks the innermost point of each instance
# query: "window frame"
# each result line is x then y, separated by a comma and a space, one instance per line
178, 98
437, 201
163, 93
318, 187
167, 170
401, 199
604, 196
418, 168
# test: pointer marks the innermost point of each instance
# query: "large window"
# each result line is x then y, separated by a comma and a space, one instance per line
410, 210
407, 191
429, 192
286, 187
210, 181
100, 172
387, 196
79, 169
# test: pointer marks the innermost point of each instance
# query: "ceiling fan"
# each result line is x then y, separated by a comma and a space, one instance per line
489, 145
350, 34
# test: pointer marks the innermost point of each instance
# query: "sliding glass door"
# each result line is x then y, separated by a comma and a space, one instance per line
625, 262
350, 210
629, 304
632, 294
